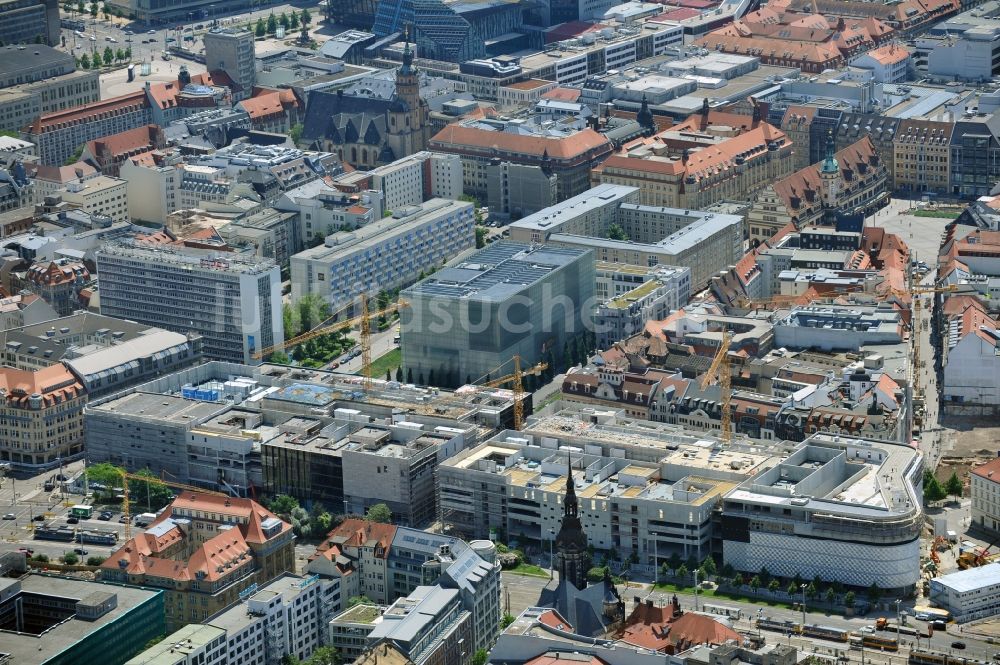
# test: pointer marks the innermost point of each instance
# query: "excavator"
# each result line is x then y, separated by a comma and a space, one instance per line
975, 559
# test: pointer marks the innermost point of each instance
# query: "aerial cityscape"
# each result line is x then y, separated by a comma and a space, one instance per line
500, 332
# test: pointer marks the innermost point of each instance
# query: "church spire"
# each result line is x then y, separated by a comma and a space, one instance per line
407, 67
645, 117
571, 506
571, 541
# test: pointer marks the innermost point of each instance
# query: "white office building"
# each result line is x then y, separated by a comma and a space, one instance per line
969, 594
232, 301
387, 254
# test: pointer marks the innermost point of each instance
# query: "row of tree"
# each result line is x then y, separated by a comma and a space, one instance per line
106, 481
109, 58
934, 491
318, 521
287, 21
95, 7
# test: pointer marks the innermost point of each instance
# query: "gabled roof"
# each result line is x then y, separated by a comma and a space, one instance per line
475, 139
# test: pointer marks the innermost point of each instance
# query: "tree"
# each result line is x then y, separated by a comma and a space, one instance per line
272, 24
109, 55
128, 53
152, 493
409, 375
93, 8
379, 513
105, 474
105, 13
682, 573
95, 560
755, 583
283, 505
674, 561
38, 39
506, 620
324, 656
399, 374
81, 7
792, 589
306, 17
295, 133
812, 591
728, 570
279, 358
85, 61
480, 657
260, 29
40, 558
70, 558
283, 20
873, 593
708, 566
358, 600
953, 486
831, 595
933, 492
313, 310
774, 586
119, 55
481, 237
849, 600
764, 574
293, 21
616, 232
96, 60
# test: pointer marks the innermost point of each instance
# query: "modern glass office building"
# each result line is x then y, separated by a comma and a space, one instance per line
508, 299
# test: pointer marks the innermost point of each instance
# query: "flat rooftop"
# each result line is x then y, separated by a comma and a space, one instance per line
160, 408
550, 219
25, 648
370, 235
497, 272
363, 614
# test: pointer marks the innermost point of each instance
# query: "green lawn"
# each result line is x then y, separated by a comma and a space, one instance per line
940, 214
739, 597
389, 361
528, 569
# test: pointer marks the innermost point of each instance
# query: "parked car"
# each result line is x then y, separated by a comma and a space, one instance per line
868, 629
105, 516
151, 32
10, 516
81, 551
122, 519
922, 616
38, 518
72, 520
26, 550
958, 645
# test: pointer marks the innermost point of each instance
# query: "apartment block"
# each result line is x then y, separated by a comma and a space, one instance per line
666, 290
985, 493
390, 564
705, 242
232, 50
233, 302
30, 21
322, 210
401, 182
193, 644
284, 616
509, 299
386, 254
204, 551
100, 195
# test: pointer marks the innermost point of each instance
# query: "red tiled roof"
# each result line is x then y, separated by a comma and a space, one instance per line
562, 94
109, 106
54, 383
124, 142
990, 470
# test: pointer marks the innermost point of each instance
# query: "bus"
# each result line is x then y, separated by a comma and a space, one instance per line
82, 512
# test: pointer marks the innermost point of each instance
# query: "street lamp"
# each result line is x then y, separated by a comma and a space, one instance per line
695, 589
898, 601
552, 558
802, 588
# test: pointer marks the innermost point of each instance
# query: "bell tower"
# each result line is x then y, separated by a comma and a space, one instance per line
409, 126
571, 541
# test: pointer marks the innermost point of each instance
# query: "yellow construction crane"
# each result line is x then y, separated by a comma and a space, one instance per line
323, 329
518, 386
720, 367
126, 476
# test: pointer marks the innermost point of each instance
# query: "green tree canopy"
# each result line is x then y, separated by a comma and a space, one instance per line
616, 232
849, 599
295, 133
480, 657
283, 505
359, 600
953, 486
272, 24
379, 513
306, 17
261, 28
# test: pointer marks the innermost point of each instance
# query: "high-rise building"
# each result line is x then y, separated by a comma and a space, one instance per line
232, 51
29, 21
232, 301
